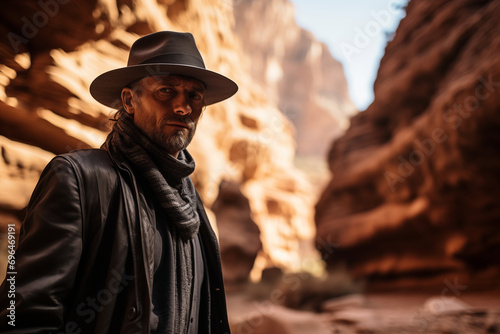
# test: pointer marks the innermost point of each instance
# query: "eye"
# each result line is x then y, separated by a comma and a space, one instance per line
196, 96
165, 91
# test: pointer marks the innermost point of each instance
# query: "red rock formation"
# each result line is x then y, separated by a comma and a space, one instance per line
415, 181
297, 72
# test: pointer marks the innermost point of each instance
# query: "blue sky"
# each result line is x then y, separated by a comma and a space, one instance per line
355, 32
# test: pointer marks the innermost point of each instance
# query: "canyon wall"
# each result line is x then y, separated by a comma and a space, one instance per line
51, 50
298, 71
415, 186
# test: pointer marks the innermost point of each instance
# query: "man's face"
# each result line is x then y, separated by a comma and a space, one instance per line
166, 108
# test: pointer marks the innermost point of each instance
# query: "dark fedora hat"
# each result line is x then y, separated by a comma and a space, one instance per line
162, 53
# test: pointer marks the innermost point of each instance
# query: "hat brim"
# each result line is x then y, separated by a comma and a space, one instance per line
107, 87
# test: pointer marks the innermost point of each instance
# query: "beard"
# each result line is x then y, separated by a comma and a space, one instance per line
172, 141
176, 141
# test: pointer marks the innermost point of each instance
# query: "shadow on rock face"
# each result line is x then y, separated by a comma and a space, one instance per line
239, 236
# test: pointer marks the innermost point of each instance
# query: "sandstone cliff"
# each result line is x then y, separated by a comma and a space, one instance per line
415, 182
51, 50
299, 73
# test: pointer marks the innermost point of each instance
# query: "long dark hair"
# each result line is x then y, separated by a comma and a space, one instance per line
116, 116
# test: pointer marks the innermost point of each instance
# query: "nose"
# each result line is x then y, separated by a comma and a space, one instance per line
181, 105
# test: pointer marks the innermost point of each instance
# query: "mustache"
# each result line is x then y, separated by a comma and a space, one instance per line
180, 119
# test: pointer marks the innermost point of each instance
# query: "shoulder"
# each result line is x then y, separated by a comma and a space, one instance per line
93, 168
90, 162
90, 158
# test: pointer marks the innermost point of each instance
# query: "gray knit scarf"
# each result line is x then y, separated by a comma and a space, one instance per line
168, 178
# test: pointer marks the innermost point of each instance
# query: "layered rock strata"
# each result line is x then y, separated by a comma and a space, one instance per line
298, 71
415, 180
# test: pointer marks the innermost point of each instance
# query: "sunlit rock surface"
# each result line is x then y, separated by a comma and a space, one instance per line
415, 186
50, 51
298, 71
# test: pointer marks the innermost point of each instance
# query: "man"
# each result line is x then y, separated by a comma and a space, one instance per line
116, 240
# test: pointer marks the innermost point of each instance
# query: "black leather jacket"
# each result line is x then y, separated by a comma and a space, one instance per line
85, 263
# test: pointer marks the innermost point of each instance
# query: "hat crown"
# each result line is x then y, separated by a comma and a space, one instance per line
166, 47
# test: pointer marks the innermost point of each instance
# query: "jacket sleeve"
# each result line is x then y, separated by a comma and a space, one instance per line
47, 256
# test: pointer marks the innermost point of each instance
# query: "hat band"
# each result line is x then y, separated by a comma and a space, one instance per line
176, 59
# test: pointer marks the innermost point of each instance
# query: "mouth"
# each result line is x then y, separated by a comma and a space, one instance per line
179, 125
